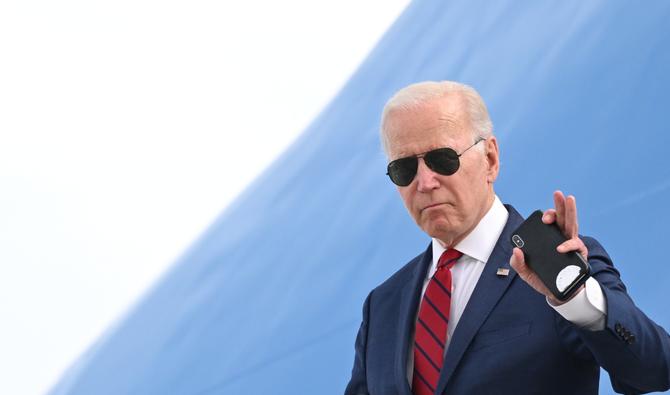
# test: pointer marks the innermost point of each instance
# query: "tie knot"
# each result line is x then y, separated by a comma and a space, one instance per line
448, 258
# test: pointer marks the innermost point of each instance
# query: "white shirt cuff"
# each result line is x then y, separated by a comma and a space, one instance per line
587, 309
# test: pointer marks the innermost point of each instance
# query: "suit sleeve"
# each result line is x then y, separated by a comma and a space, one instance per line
632, 348
358, 384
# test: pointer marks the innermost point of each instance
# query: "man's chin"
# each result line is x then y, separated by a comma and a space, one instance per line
440, 231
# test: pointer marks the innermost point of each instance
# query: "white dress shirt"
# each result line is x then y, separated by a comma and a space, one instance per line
587, 309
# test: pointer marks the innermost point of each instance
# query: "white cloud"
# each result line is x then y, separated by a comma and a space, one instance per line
126, 127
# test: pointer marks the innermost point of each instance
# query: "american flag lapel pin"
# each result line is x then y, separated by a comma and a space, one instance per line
502, 272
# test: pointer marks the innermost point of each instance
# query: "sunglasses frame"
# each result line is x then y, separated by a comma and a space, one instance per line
453, 156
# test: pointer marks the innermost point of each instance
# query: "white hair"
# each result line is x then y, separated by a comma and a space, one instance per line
415, 95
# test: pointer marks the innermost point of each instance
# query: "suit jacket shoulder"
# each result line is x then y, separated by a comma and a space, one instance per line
419, 264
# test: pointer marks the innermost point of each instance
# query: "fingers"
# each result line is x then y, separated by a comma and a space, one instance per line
574, 244
571, 226
549, 216
559, 204
518, 263
564, 214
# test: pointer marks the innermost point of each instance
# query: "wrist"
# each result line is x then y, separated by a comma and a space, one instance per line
555, 302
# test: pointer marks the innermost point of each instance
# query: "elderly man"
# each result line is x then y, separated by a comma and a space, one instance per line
468, 316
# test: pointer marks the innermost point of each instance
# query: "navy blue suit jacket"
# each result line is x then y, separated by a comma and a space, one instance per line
508, 340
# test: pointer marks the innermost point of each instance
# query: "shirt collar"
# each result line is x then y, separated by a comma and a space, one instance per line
480, 242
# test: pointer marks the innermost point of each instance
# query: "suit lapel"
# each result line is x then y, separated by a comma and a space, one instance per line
409, 302
487, 292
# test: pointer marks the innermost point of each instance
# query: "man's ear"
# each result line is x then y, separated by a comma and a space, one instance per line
492, 159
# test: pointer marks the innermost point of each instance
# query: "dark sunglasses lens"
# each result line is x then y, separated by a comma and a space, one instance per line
402, 171
444, 161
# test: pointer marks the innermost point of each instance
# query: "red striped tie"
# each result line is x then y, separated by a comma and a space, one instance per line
431, 326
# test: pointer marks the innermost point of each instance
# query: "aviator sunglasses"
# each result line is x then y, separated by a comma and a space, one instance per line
443, 161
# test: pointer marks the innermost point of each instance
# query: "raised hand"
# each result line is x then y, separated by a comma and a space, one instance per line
565, 216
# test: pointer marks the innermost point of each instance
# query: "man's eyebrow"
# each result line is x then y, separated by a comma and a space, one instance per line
400, 155
406, 154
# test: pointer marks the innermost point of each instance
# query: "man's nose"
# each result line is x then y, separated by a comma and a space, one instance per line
426, 179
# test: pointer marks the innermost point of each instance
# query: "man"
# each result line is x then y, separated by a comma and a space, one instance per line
468, 316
